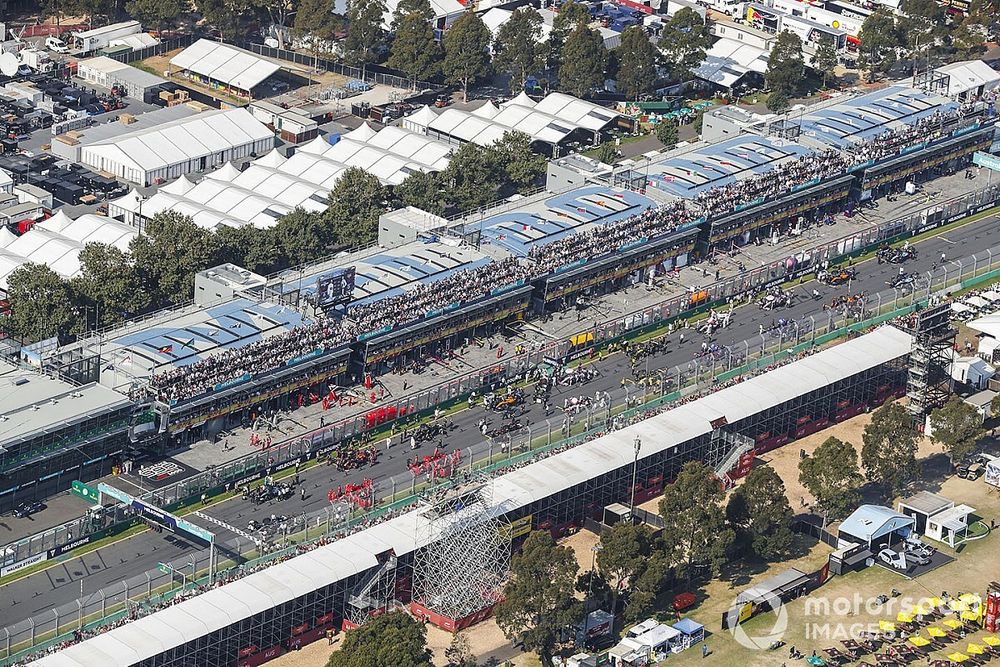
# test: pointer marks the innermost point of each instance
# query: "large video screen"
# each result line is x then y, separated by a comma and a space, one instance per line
335, 287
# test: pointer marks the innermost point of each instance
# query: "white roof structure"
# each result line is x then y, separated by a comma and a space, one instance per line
90, 228
419, 120
391, 154
728, 60
6, 181
969, 76
226, 64
169, 150
326, 565
870, 522
57, 243
988, 324
496, 17
573, 110
550, 120
137, 41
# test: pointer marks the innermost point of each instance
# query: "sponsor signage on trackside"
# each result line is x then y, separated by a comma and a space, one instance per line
21, 564
982, 159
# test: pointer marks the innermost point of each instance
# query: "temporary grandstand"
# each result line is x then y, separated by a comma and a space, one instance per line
227, 68
57, 242
294, 602
163, 152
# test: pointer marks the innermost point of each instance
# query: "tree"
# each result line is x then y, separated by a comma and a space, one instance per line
518, 49
316, 24
636, 63
889, 453
524, 166
958, 427
365, 34
645, 587
414, 49
390, 639
666, 133
995, 406
825, 60
570, 15
168, 254
784, 64
356, 202
766, 515
280, 13
156, 13
832, 477
466, 56
473, 177
110, 282
254, 249
970, 37
538, 600
623, 555
607, 153
223, 14
879, 39
777, 102
42, 304
694, 530
422, 190
302, 236
919, 21
459, 652
583, 63
685, 39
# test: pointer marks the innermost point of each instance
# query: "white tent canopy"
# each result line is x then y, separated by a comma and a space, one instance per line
225, 64
208, 139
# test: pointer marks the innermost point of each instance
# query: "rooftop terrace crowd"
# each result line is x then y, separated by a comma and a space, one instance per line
780, 180
645, 225
457, 288
471, 284
270, 352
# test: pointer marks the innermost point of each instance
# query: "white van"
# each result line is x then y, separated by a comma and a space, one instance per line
56, 45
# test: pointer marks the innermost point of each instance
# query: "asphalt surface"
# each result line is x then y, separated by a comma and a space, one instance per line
61, 584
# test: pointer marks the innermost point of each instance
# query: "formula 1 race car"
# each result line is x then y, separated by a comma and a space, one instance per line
895, 255
901, 280
837, 276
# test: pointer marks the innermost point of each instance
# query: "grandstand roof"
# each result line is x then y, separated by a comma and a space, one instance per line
555, 217
33, 402
869, 115
326, 565
225, 64
189, 335
708, 166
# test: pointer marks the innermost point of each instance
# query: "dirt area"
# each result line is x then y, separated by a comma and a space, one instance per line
845, 606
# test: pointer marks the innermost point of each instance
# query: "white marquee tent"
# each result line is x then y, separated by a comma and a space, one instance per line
225, 64
157, 154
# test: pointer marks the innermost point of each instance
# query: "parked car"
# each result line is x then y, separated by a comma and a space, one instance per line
893, 559
970, 471
56, 45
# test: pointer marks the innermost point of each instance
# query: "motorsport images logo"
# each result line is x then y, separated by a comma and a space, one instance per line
763, 638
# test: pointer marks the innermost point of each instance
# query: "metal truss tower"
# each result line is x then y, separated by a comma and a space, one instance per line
928, 383
376, 593
464, 566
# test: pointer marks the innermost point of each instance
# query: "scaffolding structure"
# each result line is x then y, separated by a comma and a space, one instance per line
928, 382
465, 565
374, 594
